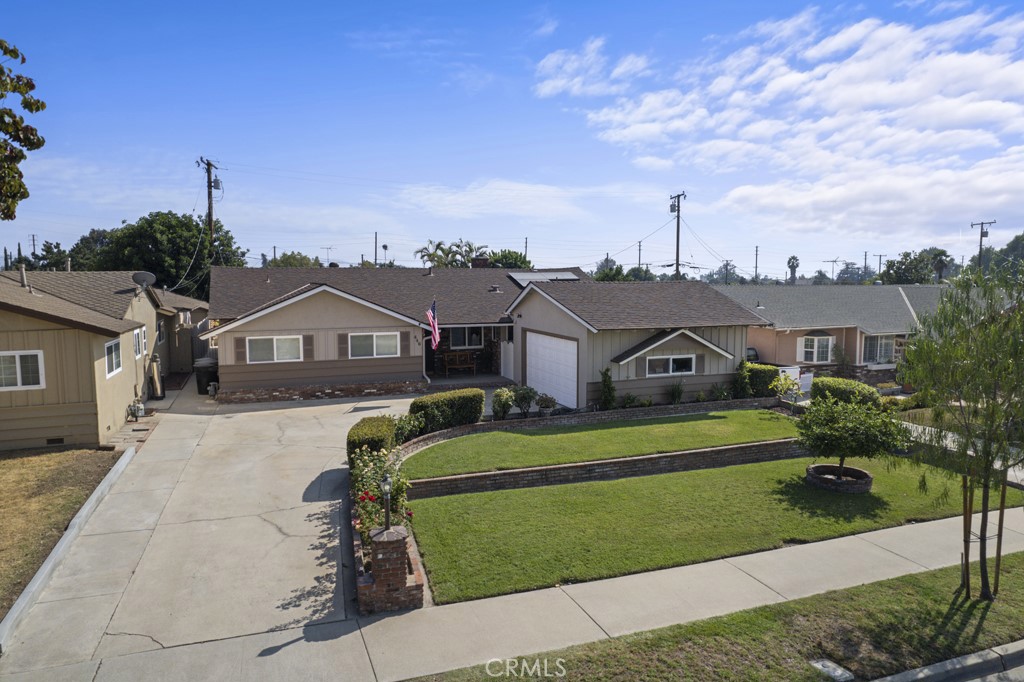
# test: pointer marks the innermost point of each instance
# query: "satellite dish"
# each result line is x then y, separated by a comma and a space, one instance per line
144, 279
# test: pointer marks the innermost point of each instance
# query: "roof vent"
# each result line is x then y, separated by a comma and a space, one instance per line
495, 289
24, 277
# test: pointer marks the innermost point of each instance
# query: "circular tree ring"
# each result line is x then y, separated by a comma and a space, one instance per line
824, 476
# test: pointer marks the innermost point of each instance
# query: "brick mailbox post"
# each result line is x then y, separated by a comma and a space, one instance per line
395, 581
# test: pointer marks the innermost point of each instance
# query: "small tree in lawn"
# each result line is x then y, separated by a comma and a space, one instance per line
968, 359
830, 428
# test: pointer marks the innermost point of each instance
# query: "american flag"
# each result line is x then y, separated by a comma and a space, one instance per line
435, 333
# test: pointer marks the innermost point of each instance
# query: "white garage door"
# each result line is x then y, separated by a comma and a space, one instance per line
551, 366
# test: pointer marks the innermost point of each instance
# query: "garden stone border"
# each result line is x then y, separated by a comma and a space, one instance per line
41, 579
820, 476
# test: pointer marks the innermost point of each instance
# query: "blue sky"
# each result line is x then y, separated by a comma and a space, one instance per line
812, 130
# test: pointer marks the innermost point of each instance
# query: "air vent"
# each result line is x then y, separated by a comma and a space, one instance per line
55, 441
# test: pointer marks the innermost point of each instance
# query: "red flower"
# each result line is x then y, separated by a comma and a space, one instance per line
362, 498
372, 498
409, 513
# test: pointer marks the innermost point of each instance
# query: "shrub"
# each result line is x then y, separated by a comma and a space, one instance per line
761, 377
375, 433
720, 392
890, 402
887, 384
844, 366
630, 400
607, 399
675, 393
700, 397
741, 382
501, 403
546, 401
407, 427
367, 469
843, 390
448, 409
831, 428
646, 402
784, 385
523, 397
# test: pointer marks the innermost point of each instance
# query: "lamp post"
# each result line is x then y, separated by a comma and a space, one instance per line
385, 487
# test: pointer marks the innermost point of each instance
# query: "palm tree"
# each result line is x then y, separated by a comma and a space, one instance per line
793, 263
465, 252
435, 254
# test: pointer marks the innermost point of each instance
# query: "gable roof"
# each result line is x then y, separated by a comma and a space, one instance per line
878, 309
107, 292
38, 304
644, 305
177, 301
463, 295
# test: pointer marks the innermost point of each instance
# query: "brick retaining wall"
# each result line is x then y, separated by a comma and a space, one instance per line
517, 423
607, 469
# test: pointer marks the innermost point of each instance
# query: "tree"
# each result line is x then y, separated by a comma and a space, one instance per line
909, 268
615, 274
821, 277
83, 253
173, 247
639, 274
966, 358
830, 428
466, 251
605, 263
850, 273
459, 254
725, 274
792, 263
293, 259
508, 258
16, 137
434, 254
1011, 256
940, 261
988, 255
52, 257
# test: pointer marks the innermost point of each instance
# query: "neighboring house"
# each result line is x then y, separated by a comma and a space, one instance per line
809, 324
184, 345
294, 327
651, 335
75, 351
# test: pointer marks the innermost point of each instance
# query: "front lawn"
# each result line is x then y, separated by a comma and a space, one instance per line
485, 544
872, 630
40, 492
564, 444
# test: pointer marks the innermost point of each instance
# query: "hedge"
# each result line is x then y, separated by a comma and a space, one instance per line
844, 390
448, 409
761, 378
375, 433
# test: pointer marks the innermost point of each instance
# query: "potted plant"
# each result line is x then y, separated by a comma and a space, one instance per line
545, 404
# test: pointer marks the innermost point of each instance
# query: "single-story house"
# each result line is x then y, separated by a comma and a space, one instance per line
651, 335
185, 345
75, 351
809, 324
294, 327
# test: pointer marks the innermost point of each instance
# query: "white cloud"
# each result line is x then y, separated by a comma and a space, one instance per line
585, 73
494, 197
653, 163
547, 27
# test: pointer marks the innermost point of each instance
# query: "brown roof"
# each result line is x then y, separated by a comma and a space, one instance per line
36, 303
177, 301
106, 292
648, 305
464, 295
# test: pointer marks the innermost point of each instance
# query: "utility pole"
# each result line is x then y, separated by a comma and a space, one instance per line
275, 253
209, 165
639, 250
865, 261
833, 262
374, 248
526, 246
880, 257
756, 250
727, 263
676, 207
328, 250
33, 242
981, 235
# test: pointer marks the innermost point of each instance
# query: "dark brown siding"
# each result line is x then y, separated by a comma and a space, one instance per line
283, 374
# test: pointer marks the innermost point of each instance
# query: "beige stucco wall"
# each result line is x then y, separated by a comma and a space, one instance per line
65, 408
782, 347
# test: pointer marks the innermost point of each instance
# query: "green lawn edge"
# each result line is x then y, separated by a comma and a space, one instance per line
529, 447
872, 630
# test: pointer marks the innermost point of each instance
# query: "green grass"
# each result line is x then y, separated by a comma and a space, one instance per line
485, 544
872, 630
564, 444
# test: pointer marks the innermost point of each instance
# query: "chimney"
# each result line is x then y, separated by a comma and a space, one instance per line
430, 270
479, 262
67, 264
24, 277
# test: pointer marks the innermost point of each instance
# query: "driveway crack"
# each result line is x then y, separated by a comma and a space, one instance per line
137, 634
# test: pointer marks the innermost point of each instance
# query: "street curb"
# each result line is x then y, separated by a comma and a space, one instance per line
964, 668
39, 581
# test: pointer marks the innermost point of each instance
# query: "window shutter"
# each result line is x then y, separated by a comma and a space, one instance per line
240, 350
403, 344
307, 347
641, 368
698, 365
343, 346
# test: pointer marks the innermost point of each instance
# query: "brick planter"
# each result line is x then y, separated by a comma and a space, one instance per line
395, 581
606, 469
824, 476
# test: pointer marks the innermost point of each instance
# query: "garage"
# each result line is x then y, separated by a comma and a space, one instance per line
551, 366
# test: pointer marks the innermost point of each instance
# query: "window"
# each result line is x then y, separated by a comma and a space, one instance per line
213, 342
113, 352
21, 370
384, 345
880, 349
137, 342
817, 349
274, 349
467, 337
160, 332
668, 365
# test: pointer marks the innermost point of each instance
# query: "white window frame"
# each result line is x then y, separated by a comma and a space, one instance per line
120, 358
17, 365
877, 361
466, 327
396, 354
213, 342
161, 331
248, 350
137, 343
670, 358
831, 340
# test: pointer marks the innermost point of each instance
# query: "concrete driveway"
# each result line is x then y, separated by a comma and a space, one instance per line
224, 528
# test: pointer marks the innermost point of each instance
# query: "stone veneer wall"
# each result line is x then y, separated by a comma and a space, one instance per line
320, 392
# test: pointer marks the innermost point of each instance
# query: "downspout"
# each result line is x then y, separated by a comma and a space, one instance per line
423, 359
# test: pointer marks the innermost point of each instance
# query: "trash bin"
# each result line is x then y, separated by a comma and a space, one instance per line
206, 371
